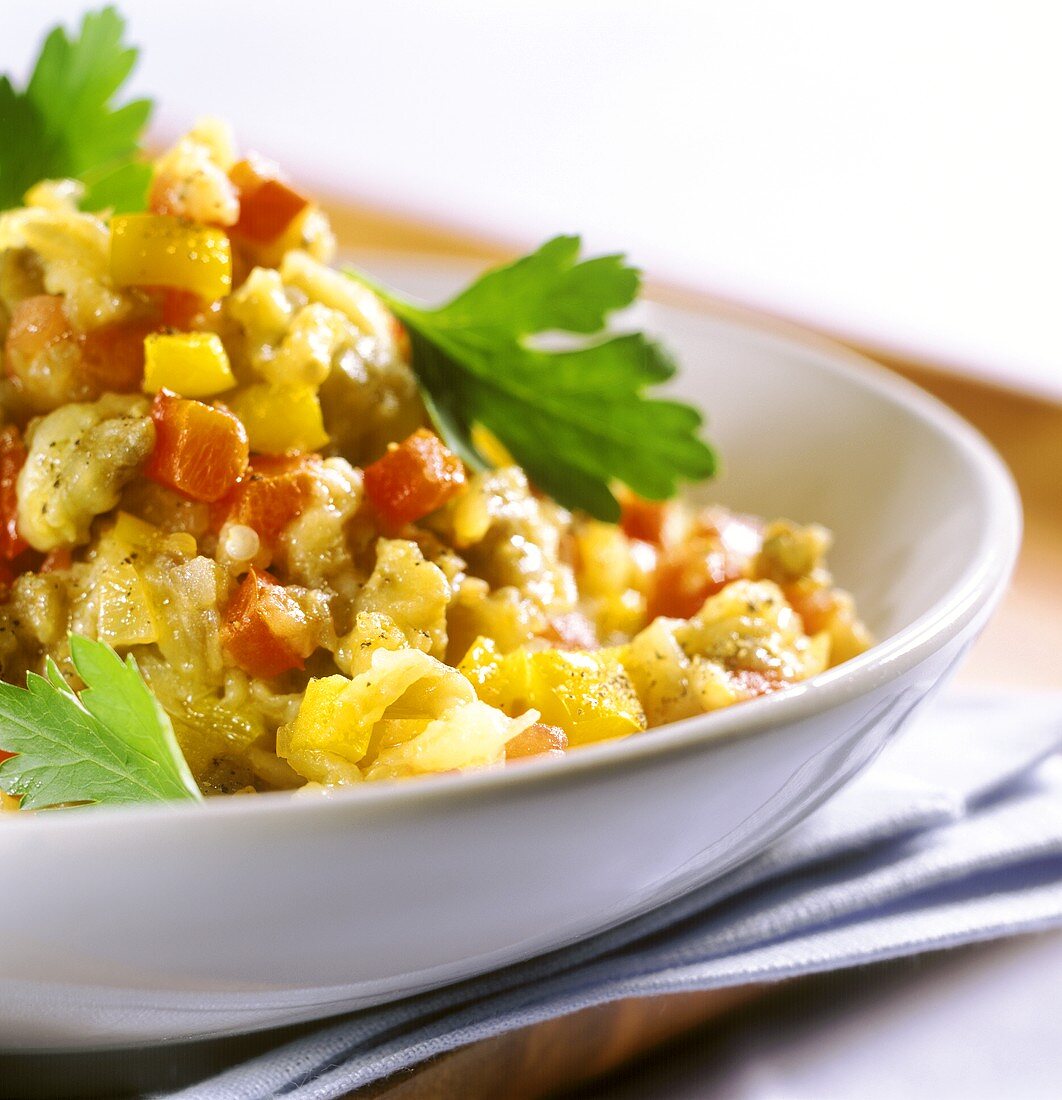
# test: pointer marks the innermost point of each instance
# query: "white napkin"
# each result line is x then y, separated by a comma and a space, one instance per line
954, 835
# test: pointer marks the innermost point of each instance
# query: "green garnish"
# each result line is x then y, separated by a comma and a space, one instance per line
576, 418
65, 124
113, 743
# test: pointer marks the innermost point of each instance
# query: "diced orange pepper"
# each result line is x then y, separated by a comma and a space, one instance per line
537, 740
12, 459
36, 324
267, 204
275, 491
643, 519
114, 354
265, 631
267, 212
413, 479
200, 451
686, 576
816, 608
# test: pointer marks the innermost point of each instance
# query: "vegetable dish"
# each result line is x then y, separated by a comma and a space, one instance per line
343, 537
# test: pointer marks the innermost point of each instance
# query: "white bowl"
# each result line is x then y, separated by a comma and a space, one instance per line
144, 925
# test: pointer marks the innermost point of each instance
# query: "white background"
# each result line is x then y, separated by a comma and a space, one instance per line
887, 170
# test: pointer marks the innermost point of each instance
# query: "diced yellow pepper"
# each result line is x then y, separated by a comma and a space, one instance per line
135, 533
621, 613
605, 553
138, 534
281, 420
181, 544
193, 364
326, 720
588, 695
482, 666
590, 699
125, 616
159, 250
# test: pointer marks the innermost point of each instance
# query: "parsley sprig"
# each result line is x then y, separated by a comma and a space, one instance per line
112, 743
577, 417
66, 124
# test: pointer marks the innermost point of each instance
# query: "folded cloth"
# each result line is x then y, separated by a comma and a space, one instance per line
953, 836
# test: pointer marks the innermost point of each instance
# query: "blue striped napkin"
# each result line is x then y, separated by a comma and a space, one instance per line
953, 836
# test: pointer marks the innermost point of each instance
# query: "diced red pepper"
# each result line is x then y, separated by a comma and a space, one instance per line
572, 630
267, 204
12, 459
36, 324
265, 630
56, 560
413, 479
643, 519
114, 354
5, 755
181, 309
200, 451
686, 576
537, 740
275, 491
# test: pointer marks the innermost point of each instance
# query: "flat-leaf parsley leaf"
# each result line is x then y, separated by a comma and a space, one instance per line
113, 743
65, 123
576, 417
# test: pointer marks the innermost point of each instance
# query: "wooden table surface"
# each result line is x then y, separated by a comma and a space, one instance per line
1021, 646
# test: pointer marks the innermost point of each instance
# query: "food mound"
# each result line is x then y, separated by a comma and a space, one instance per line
214, 457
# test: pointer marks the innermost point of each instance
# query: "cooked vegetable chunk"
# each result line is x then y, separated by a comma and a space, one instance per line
266, 631
79, 459
588, 695
414, 478
160, 250
281, 419
267, 204
193, 364
275, 491
201, 452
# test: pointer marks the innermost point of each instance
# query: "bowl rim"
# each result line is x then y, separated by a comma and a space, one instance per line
976, 589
